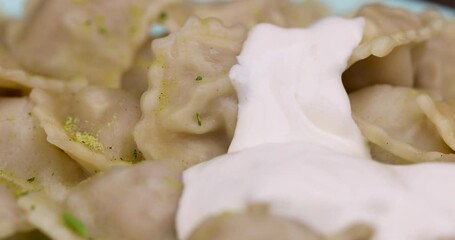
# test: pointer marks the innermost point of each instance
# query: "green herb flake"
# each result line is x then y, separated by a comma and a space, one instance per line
30, 180
102, 30
163, 16
199, 119
23, 193
74, 224
32, 208
199, 78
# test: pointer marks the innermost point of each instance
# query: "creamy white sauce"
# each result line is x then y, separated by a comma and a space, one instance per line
297, 148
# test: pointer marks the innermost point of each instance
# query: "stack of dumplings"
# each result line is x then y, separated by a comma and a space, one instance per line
99, 116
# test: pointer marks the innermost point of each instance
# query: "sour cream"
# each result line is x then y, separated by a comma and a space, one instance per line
297, 148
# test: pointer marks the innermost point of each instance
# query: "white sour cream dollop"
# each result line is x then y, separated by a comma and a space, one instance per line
297, 148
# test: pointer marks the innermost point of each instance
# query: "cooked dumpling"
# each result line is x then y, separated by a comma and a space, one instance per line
134, 203
436, 72
283, 13
442, 114
12, 218
256, 223
93, 39
389, 117
13, 77
28, 163
27, 160
190, 109
392, 45
249, 12
6, 60
93, 125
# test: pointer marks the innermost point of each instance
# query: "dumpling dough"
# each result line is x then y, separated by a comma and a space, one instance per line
136, 203
436, 72
12, 218
392, 46
283, 13
94, 39
25, 154
392, 120
190, 108
256, 223
93, 125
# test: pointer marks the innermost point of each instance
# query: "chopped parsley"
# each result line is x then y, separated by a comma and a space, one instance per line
75, 225
199, 119
102, 30
23, 193
163, 16
32, 207
30, 180
199, 78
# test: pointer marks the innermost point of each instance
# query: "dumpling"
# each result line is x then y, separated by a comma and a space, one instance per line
436, 72
93, 125
442, 114
94, 39
12, 76
27, 160
392, 46
134, 203
190, 108
248, 13
12, 218
6, 60
391, 119
28, 163
283, 13
256, 223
